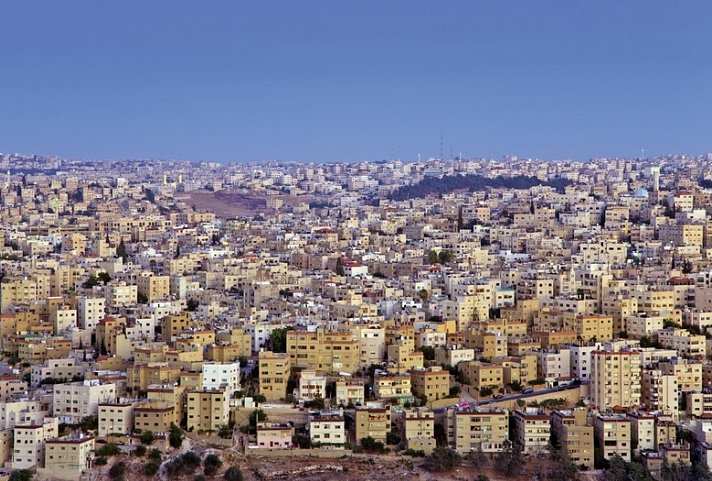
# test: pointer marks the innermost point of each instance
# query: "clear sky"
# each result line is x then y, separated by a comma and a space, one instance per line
331, 80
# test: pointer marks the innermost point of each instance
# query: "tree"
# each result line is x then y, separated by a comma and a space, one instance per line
91, 282
151, 468
302, 441
140, 450
339, 266
107, 450
445, 256
155, 454
233, 473
428, 353
256, 416
104, 277
423, 294
211, 464
21, 475
433, 258
117, 471
316, 403
509, 461
278, 339
121, 251
370, 445
175, 437
443, 459
455, 391
147, 438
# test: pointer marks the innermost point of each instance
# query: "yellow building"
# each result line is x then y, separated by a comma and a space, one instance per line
208, 410
417, 428
481, 374
589, 326
153, 287
115, 418
174, 324
324, 351
483, 429
372, 422
69, 455
615, 379
532, 431
156, 417
688, 373
613, 434
139, 377
432, 383
574, 436
349, 392
393, 387
171, 396
275, 369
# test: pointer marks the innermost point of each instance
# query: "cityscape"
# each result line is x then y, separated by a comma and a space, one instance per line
510, 318
358, 241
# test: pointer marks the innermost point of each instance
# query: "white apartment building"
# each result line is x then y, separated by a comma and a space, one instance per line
222, 376
90, 310
76, 400
29, 443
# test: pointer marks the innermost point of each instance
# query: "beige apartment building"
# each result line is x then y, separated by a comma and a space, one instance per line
574, 435
153, 287
417, 428
532, 431
615, 379
327, 429
432, 383
349, 392
76, 400
69, 457
324, 351
660, 391
393, 387
275, 369
472, 430
139, 377
156, 417
207, 410
613, 434
371, 422
688, 373
115, 418
29, 442
481, 374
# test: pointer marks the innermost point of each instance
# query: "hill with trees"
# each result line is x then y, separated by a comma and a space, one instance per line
471, 183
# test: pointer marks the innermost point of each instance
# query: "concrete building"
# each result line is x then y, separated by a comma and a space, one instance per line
472, 430
616, 379
74, 401
275, 369
574, 436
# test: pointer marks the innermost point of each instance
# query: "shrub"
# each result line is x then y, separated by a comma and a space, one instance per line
155, 454
370, 445
233, 473
117, 471
21, 475
443, 459
151, 468
175, 437
147, 438
100, 461
211, 464
140, 450
108, 449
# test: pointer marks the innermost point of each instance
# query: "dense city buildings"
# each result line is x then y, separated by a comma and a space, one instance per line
544, 308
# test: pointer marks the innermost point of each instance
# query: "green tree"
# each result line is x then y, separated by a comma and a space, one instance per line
233, 473
151, 468
433, 258
121, 251
445, 256
140, 450
509, 460
21, 475
104, 277
175, 437
443, 459
147, 438
428, 353
117, 471
278, 339
211, 464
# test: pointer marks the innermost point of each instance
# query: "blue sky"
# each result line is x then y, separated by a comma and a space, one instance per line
343, 81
